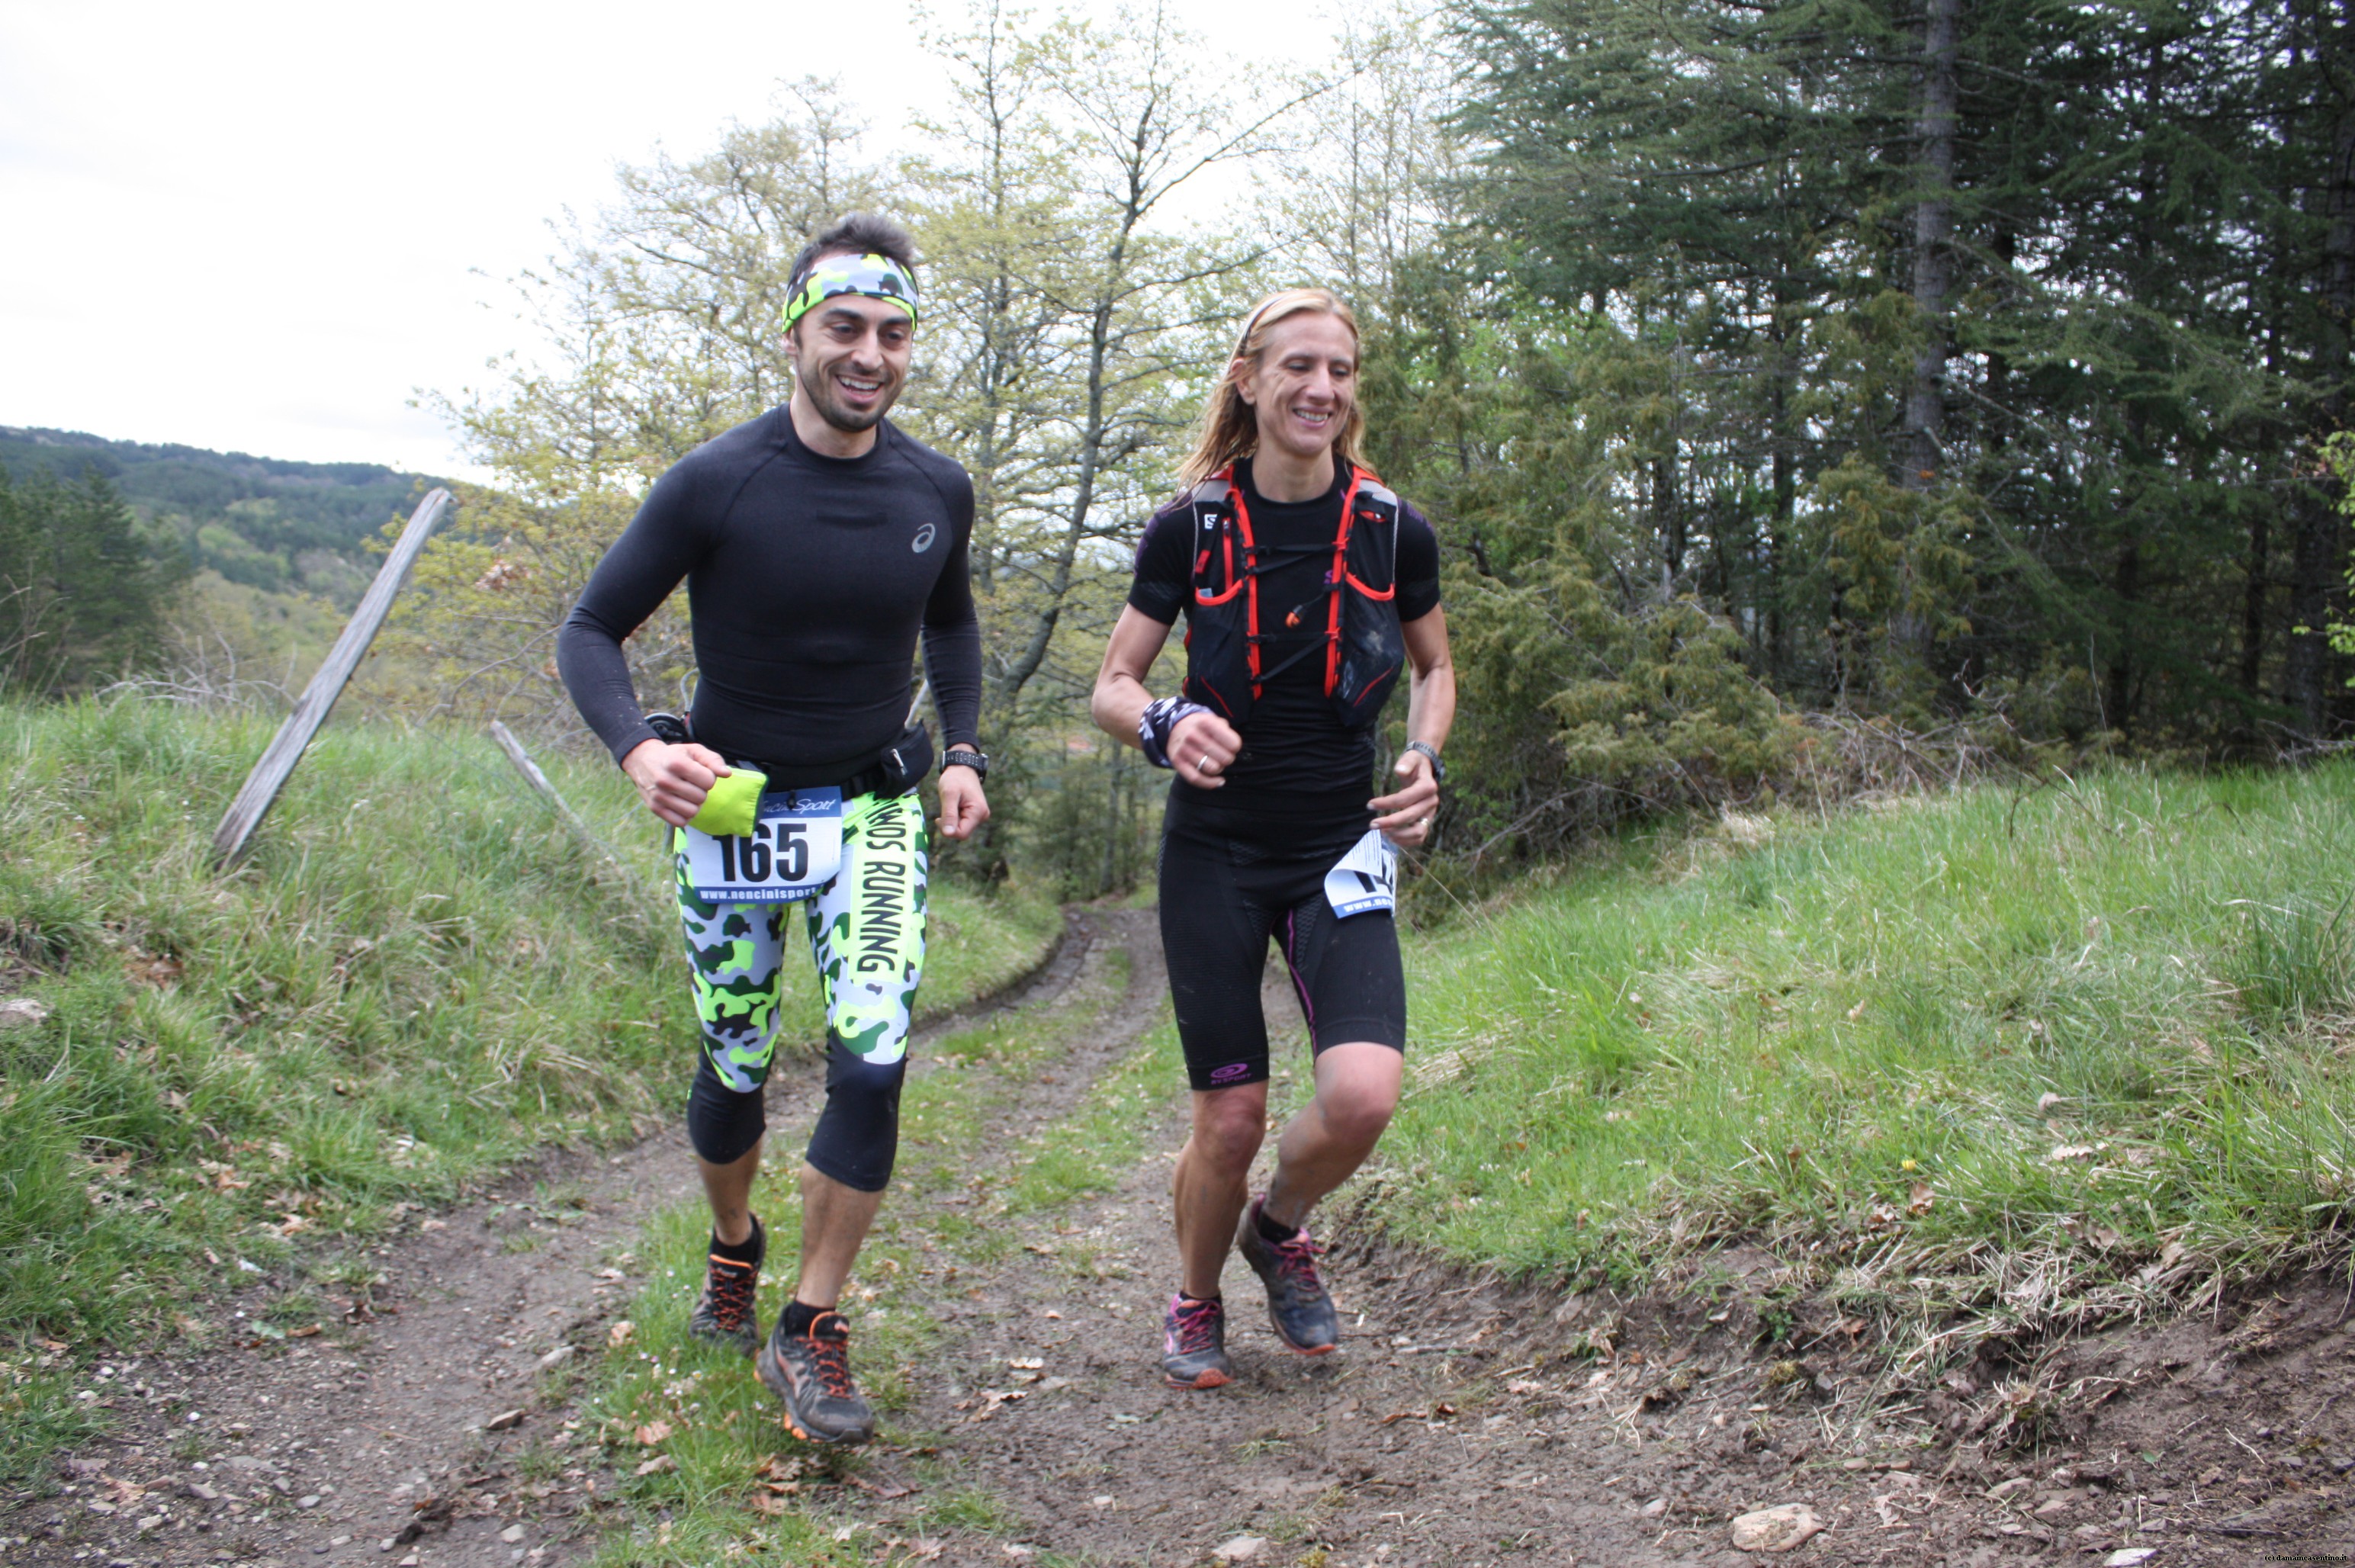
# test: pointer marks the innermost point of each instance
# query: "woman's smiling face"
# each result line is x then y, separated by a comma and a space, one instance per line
1304, 384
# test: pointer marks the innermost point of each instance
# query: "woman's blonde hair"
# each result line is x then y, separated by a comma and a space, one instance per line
1229, 425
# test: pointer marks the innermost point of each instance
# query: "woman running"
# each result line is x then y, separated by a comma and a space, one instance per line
1306, 587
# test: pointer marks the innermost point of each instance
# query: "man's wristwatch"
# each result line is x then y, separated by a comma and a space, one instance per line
965, 757
1438, 768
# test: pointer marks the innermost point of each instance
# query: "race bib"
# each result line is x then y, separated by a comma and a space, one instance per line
794, 849
1364, 878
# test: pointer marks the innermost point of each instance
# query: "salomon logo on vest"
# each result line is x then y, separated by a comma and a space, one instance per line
924, 540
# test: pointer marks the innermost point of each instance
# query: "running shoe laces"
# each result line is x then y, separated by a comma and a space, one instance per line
1295, 1260
726, 1313
733, 1284
829, 1356
1193, 1326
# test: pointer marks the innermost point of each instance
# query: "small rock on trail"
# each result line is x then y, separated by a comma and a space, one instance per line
1783, 1528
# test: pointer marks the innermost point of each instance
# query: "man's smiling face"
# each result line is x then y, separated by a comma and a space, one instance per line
850, 358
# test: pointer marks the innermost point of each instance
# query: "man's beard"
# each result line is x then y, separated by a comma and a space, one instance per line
825, 398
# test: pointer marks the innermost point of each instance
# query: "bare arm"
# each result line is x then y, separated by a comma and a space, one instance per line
673, 780
1405, 816
1203, 745
1431, 692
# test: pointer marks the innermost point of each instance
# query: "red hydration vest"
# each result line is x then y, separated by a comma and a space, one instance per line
1364, 649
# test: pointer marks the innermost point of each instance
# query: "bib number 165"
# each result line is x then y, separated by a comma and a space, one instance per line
780, 847
794, 849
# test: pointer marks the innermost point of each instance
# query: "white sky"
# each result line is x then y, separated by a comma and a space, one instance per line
266, 228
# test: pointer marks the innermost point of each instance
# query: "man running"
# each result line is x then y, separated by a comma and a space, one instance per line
816, 543
1307, 589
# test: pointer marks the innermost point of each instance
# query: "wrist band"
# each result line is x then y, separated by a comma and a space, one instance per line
1161, 717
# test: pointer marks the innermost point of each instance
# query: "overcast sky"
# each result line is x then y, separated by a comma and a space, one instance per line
266, 228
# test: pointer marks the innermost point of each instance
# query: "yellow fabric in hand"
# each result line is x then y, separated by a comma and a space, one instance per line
734, 805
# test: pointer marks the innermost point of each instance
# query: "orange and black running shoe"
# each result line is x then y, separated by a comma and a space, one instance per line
811, 1373
725, 1314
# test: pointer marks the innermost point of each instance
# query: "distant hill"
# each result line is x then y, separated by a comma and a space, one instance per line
266, 522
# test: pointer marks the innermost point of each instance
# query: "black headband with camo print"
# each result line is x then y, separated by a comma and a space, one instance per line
877, 277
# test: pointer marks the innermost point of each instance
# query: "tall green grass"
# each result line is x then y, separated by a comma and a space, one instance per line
2103, 1023
415, 977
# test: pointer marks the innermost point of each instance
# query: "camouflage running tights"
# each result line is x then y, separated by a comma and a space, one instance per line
867, 935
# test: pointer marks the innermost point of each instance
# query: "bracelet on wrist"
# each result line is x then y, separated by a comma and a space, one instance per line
1159, 722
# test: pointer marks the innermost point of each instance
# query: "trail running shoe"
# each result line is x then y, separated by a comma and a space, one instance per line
725, 1314
811, 1373
1296, 1303
1194, 1344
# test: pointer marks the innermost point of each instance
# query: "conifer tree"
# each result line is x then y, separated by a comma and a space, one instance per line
84, 593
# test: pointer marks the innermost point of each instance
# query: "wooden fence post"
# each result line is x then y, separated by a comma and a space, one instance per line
286, 748
539, 780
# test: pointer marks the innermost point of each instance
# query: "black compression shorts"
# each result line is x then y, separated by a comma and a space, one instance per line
1228, 884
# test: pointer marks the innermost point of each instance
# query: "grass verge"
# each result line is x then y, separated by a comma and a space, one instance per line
1998, 1061
415, 977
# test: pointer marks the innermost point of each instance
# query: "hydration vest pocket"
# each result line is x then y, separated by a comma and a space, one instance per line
1368, 652
1218, 643
1222, 622
1363, 647
1368, 669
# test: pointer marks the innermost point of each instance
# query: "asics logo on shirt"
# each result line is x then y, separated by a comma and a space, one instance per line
924, 540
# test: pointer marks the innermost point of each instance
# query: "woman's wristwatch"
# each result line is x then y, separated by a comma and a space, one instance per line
965, 757
1438, 768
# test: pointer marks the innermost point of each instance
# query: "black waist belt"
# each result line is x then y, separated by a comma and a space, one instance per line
900, 766
866, 781
903, 764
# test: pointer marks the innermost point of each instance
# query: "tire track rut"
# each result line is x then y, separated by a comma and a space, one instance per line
380, 1428
1381, 1452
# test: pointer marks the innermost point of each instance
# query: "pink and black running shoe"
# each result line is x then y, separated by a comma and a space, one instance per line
1194, 1344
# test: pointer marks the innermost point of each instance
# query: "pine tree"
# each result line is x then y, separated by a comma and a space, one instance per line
1964, 351
84, 593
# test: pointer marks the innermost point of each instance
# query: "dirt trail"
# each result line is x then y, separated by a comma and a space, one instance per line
1464, 1423
320, 1448
1394, 1450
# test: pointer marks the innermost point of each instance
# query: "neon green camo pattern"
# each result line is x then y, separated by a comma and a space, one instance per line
877, 277
865, 933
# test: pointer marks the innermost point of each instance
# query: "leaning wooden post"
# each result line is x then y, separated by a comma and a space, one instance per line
285, 750
586, 835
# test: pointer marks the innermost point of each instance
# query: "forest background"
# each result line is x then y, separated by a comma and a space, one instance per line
1774, 375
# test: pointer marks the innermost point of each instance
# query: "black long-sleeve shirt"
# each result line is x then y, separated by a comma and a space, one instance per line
808, 579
